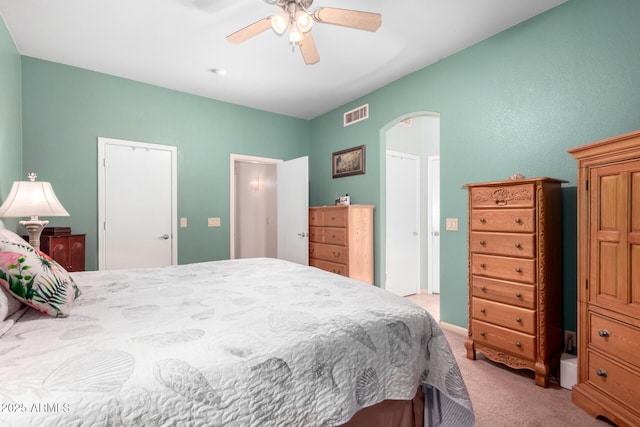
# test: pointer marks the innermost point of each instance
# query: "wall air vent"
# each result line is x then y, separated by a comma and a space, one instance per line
356, 115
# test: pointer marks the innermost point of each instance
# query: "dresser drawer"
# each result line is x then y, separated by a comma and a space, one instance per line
334, 236
516, 343
508, 196
615, 338
506, 220
518, 269
328, 252
511, 293
516, 318
329, 217
510, 244
331, 267
614, 379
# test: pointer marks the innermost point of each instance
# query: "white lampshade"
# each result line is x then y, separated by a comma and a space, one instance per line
32, 198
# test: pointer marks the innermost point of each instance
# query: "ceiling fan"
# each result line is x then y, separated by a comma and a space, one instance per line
295, 16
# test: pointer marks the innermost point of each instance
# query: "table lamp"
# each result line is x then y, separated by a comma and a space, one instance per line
32, 198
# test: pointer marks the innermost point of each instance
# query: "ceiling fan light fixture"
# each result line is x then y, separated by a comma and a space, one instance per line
304, 21
280, 22
295, 35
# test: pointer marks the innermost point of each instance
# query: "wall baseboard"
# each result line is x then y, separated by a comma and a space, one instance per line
454, 328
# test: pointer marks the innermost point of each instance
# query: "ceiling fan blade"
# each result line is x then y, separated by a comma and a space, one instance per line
349, 18
250, 30
308, 49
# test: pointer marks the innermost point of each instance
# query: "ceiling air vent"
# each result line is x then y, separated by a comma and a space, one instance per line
356, 115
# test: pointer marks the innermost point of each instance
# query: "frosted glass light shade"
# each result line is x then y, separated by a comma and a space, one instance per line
280, 22
32, 198
304, 21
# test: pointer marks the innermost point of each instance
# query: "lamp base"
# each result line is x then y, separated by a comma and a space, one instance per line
34, 229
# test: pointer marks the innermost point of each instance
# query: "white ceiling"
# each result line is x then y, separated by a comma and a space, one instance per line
174, 44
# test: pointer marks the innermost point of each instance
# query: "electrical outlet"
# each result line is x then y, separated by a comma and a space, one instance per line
451, 224
569, 341
213, 222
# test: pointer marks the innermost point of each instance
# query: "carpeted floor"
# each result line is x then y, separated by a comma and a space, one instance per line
502, 396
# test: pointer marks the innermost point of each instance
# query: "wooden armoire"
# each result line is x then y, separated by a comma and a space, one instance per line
609, 279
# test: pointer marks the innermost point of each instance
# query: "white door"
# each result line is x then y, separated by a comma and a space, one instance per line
402, 223
136, 204
293, 210
433, 241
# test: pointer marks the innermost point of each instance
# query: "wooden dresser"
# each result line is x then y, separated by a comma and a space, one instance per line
68, 250
341, 240
609, 279
515, 273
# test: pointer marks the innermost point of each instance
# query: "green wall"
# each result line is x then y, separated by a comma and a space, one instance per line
10, 117
512, 103
65, 110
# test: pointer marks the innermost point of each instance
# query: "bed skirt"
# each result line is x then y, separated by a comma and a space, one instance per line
391, 413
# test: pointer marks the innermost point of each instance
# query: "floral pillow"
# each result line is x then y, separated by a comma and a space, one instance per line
35, 279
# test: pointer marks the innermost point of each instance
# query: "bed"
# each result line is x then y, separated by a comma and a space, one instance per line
252, 342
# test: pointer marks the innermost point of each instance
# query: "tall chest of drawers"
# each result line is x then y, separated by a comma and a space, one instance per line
341, 240
609, 279
515, 273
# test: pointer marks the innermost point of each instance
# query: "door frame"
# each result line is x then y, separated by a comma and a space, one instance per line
432, 286
233, 158
102, 142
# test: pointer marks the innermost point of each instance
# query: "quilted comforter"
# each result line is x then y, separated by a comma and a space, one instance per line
257, 342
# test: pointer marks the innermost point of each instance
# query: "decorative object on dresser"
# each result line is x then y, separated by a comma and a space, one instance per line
609, 279
65, 248
515, 273
341, 240
32, 198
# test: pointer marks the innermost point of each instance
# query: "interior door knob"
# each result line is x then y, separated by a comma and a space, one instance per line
303, 234
165, 237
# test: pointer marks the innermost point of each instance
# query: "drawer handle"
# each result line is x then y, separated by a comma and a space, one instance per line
483, 288
601, 373
518, 245
482, 265
333, 218
519, 320
518, 294
604, 333
518, 270
482, 333
483, 220
336, 254
312, 250
333, 236
518, 345
518, 221
482, 242
482, 310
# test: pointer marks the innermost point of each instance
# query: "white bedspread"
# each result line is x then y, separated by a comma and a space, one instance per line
257, 342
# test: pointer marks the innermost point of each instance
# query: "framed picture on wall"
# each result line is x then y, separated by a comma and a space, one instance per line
349, 162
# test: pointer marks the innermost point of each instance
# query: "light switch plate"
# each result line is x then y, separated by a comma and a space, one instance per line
452, 224
183, 222
213, 222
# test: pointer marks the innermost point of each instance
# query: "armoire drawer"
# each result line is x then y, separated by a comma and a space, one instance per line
326, 252
518, 269
516, 318
518, 294
615, 338
516, 343
509, 244
506, 220
614, 379
331, 267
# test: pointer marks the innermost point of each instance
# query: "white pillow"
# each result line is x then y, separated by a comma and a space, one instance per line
10, 236
8, 304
